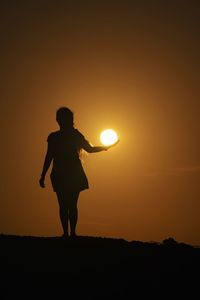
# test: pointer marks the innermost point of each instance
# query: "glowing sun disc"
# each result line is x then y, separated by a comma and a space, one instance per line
108, 137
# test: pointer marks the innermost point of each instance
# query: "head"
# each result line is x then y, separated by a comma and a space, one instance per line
65, 117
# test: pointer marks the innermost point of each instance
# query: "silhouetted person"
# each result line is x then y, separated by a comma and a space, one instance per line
67, 176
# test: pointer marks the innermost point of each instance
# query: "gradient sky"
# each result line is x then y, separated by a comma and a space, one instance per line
129, 65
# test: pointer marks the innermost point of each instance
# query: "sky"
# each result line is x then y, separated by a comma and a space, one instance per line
128, 65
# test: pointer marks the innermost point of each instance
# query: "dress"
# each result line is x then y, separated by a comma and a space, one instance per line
67, 172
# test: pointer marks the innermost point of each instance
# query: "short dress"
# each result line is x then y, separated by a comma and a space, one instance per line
67, 173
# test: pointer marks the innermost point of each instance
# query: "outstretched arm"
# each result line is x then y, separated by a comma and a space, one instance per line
47, 162
92, 149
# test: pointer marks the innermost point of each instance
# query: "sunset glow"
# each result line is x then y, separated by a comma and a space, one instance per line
129, 72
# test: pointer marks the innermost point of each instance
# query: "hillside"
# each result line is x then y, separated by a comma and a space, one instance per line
97, 268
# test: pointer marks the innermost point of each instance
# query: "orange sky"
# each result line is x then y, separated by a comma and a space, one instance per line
129, 65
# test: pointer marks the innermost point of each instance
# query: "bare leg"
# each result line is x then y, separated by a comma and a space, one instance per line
64, 220
63, 212
73, 212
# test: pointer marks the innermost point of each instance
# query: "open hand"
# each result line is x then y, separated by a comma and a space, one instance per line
108, 147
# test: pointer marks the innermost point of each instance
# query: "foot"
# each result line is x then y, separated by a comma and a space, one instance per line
73, 235
65, 235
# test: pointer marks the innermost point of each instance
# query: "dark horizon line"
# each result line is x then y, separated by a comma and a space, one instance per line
169, 241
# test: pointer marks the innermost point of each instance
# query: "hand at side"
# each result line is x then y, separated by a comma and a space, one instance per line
42, 182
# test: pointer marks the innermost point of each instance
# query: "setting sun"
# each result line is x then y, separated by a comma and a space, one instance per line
108, 137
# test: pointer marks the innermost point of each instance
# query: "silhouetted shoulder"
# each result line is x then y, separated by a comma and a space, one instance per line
73, 137
55, 134
52, 136
79, 134
82, 141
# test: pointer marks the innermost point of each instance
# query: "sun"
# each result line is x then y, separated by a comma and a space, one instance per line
108, 137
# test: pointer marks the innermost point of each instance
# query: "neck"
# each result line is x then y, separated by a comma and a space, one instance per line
66, 128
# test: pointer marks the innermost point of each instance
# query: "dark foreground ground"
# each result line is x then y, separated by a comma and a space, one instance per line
97, 268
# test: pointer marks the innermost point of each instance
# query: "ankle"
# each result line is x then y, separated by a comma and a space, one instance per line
65, 234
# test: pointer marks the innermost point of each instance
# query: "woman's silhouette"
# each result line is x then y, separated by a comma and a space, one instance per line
67, 176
